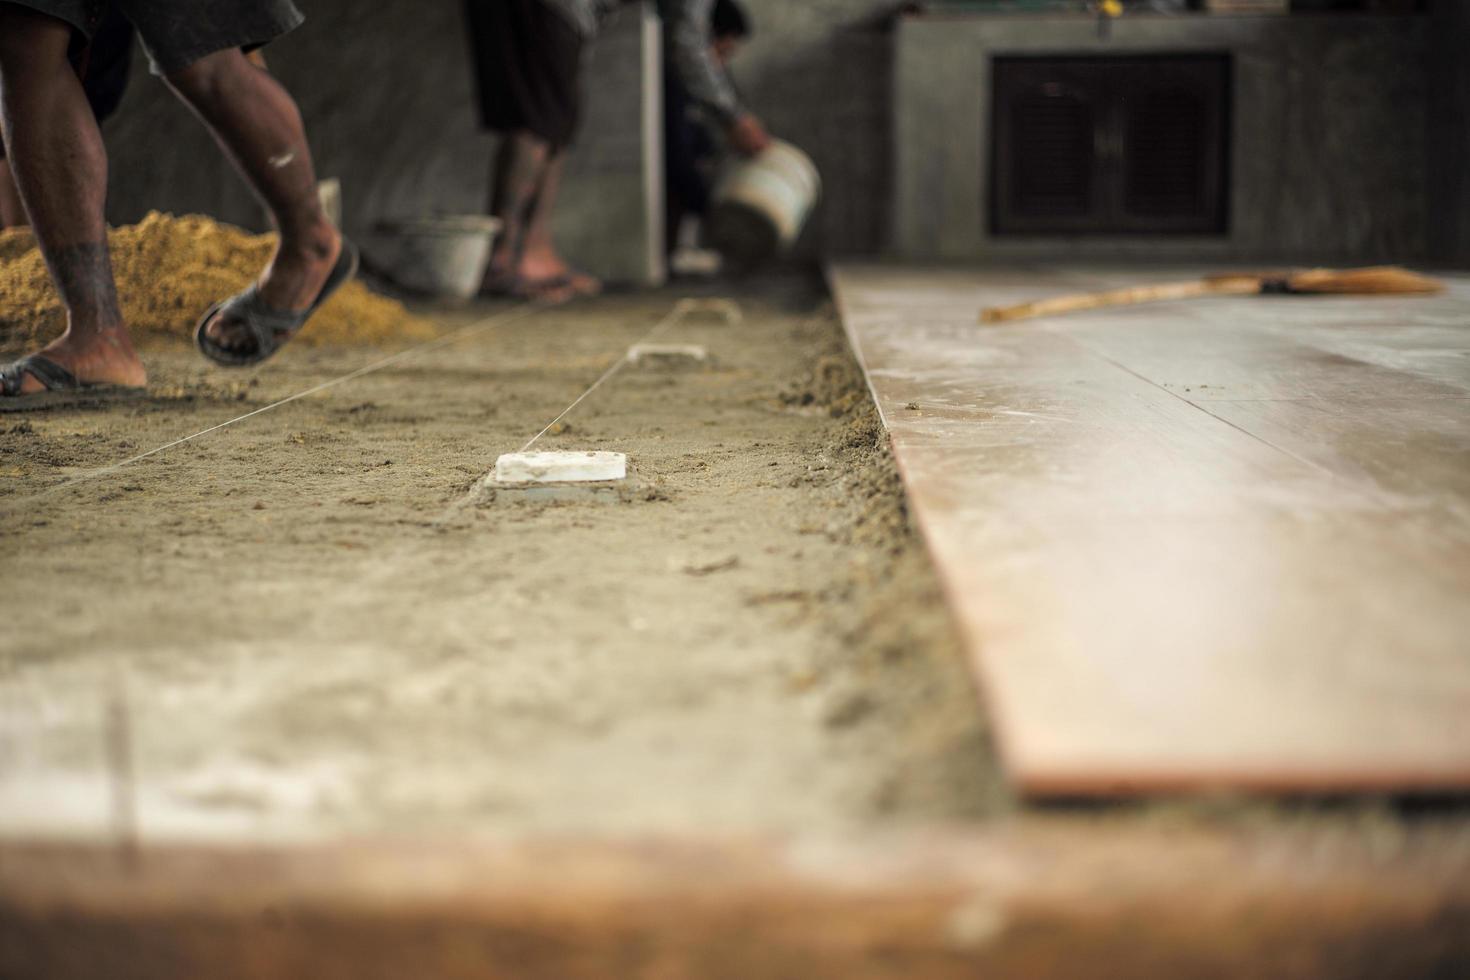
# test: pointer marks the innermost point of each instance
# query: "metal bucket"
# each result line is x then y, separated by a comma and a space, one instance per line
438, 255
761, 204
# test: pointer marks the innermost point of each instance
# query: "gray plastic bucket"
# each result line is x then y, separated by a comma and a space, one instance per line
761, 204
438, 255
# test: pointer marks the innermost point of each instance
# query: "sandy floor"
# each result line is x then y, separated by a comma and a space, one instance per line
317, 625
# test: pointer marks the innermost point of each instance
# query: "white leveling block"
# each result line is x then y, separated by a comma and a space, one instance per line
561, 467
726, 310
656, 356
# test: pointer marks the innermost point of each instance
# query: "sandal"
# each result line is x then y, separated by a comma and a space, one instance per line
582, 283
516, 287
271, 328
62, 387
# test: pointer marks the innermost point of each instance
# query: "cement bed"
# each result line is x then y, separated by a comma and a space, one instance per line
322, 629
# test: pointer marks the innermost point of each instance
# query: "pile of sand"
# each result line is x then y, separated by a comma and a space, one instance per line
169, 270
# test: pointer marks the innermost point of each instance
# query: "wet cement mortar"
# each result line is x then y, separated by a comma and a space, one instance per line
314, 622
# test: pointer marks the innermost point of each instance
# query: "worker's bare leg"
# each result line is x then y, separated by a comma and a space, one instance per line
256, 122
540, 261
520, 164
12, 212
56, 154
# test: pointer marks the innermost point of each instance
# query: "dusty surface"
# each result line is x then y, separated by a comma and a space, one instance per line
320, 628
169, 270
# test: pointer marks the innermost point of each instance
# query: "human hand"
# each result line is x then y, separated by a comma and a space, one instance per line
748, 135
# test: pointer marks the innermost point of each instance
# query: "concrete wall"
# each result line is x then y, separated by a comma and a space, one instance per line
1329, 156
1449, 133
387, 94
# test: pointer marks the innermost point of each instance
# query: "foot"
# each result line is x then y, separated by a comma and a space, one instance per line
105, 357
291, 282
500, 276
503, 279
546, 268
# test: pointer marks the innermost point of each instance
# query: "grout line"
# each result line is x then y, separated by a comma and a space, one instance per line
1311, 464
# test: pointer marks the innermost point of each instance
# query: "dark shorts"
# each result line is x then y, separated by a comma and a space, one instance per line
528, 63
177, 33
103, 65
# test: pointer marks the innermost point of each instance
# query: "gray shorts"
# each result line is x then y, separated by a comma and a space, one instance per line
177, 33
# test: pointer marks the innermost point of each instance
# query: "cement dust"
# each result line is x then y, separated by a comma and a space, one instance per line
169, 270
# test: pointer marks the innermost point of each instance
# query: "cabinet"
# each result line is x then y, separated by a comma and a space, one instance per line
1117, 145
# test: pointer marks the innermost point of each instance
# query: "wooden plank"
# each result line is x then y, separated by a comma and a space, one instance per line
1041, 898
1191, 546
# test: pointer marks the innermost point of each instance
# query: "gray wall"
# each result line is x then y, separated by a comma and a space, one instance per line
1449, 133
1329, 152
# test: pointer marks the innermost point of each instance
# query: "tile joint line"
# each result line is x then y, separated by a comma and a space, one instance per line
1198, 407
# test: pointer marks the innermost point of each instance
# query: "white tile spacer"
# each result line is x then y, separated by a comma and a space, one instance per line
727, 309
561, 467
668, 355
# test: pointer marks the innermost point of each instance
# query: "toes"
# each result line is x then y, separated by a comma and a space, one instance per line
559, 293
228, 334
29, 385
16, 383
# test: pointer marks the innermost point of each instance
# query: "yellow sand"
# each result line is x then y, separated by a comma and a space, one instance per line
169, 270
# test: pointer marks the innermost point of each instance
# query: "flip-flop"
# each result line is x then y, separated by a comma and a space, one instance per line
271, 328
516, 287
571, 282
501, 287
566, 281
552, 287
62, 387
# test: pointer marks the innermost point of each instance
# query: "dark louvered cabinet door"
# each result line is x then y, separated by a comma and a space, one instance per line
1109, 145
1171, 117
1047, 116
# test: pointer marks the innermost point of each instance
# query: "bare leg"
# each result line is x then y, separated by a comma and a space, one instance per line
540, 261
519, 166
12, 211
259, 127
60, 166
